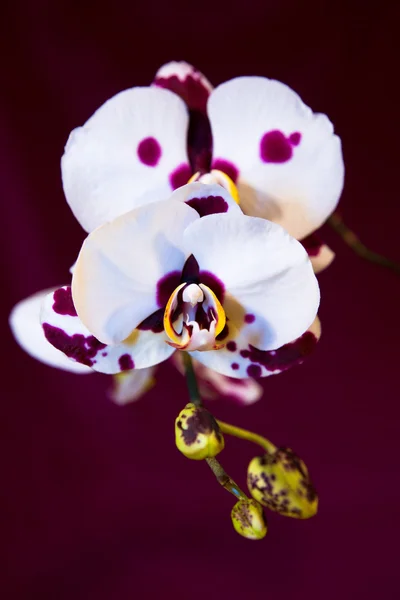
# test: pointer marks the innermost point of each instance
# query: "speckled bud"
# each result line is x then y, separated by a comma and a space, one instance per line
280, 482
248, 519
197, 434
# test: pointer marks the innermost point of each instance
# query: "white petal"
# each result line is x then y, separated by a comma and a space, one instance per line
239, 359
264, 270
27, 330
67, 333
119, 271
131, 385
130, 152
186, 81
288, 160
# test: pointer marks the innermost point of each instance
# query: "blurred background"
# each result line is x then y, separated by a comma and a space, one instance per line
96, 502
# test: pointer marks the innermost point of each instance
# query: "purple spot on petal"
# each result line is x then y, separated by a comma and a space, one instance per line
215, 284
154, 323
249, 318
104, 353
286, 356
245, 353
166, 285
234, 366
126, 363
312, 244
78, 347
220, 164
231, 346
149, 151
275, 148
209, 205
63, 303
254, 371
180, 176
295, 138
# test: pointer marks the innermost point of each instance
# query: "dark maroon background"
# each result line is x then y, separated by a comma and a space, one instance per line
97, 503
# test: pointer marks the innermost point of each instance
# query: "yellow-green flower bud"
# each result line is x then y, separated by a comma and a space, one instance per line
197, 434
280, 481
248, 519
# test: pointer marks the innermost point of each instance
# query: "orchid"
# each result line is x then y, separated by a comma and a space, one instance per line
191, 274
194, 201
144, 143
253, 132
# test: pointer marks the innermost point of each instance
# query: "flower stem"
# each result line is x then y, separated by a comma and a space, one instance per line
224, 479
244, 434
215, 466
350, 238
191, 380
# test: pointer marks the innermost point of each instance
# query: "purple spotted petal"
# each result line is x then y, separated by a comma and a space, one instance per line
67, 333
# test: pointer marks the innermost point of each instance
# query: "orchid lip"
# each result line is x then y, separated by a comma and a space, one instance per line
193, 318
219, 177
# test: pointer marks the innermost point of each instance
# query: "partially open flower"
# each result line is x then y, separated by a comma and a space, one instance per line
197, 434
280, 481
248, 519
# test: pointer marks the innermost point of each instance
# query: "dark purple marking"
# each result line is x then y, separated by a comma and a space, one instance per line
190, 271
104, 353
224, 333
201, 422
249, 318
220, 164
154, 323
275, 147
149, 152
215, 284
312, 244
79, 347
166, 286
286, 356
180, 176
126, 363
231, 346
191, 89
295, 138
234, 366
202, 318
245, 353
254, 371
63, 303
208, 205
199, 138
199, 142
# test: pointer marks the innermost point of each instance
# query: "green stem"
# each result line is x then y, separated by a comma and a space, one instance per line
244, 434
191, 380
215, 466
350, 238
224, 479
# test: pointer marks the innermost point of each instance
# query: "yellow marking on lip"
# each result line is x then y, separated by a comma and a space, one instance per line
230, 186
169, 330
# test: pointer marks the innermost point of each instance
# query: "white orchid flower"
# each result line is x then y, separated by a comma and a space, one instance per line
191, 274
144, 142
253, 132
